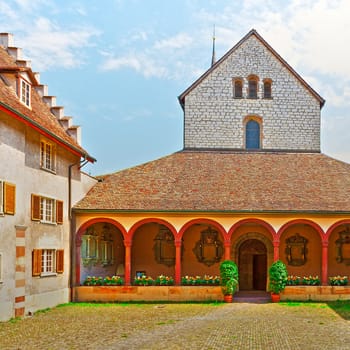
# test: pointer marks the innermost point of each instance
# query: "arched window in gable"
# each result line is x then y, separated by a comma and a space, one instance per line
267, 88
238, 88
253, 134
253, 86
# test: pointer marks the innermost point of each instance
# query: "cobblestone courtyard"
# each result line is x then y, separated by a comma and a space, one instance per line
180, 326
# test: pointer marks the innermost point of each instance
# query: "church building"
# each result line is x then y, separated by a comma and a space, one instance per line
250, 185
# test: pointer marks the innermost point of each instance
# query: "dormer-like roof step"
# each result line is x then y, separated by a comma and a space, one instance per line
50, 100
24, 63
15, 52
65, 122
75, 132
6, 39
57, 111
42, 90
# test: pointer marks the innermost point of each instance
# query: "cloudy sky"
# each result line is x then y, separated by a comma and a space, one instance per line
117, 66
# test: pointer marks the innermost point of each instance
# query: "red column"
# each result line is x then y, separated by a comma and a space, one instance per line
127, 262
227, 254
178, 245
276, 250
324, 272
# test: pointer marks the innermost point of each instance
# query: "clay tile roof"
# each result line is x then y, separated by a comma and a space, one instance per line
39, 115
227, 182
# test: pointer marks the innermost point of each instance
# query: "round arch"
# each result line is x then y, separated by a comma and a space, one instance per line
90, 222
78, 240
252, 261
311, 223
142, 222
335, 225
214, 223
260, 222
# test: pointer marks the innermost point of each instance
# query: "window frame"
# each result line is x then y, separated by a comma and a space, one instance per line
2, 198
258, 121
267, 82
235, 82
48, 156
7, 198
47, 262
47, 210
40, 210
1, 269
253, 79
25, 92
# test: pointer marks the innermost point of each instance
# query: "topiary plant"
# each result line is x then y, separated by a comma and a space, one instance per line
229, 277
278, 277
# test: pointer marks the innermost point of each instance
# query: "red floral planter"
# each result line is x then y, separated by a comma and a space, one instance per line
275, 298
228, 298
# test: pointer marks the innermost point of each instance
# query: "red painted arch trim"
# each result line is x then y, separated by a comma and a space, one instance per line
335, 225
305, 222
204, 221
142, 222
88, 223
80, 232
263, 223
32, 124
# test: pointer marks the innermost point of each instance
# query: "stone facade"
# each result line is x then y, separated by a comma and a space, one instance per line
290, 120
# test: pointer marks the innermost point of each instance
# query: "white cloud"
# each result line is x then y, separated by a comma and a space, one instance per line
139, 62
156, 60
176, 42
49, 45
45, 42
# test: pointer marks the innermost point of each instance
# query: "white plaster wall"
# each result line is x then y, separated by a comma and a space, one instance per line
19, 156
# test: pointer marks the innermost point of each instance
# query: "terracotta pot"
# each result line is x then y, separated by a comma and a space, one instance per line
275, 298
228, 298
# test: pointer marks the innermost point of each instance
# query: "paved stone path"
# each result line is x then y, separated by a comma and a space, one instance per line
250, 326
181, 326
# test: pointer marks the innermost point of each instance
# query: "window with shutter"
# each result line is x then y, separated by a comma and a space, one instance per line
1, 198
47, 210
0, 267
35, 207
36, 262
59, 261
9, 198
59, 212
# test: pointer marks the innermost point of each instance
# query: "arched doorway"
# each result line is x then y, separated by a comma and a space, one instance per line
252, 264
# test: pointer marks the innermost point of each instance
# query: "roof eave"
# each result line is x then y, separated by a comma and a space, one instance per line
36, 126
159, 211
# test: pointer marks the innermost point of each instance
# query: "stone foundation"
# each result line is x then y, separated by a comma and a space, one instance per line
197, 293
147, 293
316, 293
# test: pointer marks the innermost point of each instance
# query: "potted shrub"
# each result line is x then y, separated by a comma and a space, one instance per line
278, 279
229, 279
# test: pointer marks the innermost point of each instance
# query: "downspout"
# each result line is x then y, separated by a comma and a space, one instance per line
81, 163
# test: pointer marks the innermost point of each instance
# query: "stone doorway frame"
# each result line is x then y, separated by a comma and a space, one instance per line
260, 237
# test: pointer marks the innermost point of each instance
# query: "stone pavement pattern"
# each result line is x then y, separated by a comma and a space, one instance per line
180, 326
